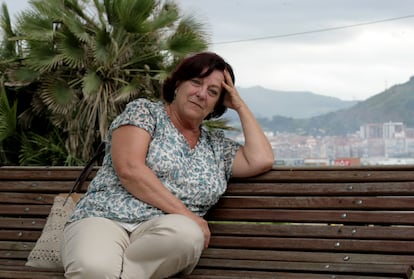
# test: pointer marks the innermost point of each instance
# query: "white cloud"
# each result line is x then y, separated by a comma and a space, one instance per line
357, 67
349, 63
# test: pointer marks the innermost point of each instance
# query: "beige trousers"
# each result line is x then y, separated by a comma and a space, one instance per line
100, 248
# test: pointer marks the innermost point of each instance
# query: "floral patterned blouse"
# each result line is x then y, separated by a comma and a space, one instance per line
197, 176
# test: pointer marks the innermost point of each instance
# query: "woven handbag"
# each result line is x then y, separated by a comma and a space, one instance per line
47, 251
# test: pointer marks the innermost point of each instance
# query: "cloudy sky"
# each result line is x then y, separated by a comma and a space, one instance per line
349, 49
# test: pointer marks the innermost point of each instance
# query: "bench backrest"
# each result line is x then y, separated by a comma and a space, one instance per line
309, 222
333, 220
26, 197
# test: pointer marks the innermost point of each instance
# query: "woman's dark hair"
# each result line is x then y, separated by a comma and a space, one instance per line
195, 66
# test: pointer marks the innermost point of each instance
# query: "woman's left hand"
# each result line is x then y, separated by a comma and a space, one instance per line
232, 98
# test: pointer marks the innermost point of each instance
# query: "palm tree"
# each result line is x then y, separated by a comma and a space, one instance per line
7, 122
85, 59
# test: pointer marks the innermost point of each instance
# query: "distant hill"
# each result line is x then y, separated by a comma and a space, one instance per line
266, 103
395, 104
305, 112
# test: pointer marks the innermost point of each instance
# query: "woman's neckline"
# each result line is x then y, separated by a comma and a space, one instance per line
192, 143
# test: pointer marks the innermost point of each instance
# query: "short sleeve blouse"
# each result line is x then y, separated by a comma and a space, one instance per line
197, 176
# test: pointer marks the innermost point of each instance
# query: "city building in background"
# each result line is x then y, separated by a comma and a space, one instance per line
390, 143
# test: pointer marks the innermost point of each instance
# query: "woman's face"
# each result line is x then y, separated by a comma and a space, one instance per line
197, 97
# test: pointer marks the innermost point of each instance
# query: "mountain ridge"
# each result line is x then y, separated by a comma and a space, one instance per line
296, 104
396, 104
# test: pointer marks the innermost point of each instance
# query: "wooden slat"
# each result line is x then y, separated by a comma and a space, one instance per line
20, 235
314, 244
12, 263
321, 216
333, 175
302, 256
26, 198
298, 202
42, 173
13, 254
307, 230
38, 186
372, 269
320, 189
16, 245
22, 223
24, 210
201, 273
365, 174
29, 274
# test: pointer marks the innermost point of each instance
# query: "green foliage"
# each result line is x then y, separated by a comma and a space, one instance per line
7, 124
37, 149
220, 123
7, 116
77, 63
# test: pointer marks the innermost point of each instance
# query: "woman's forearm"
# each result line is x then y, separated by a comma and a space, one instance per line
142, 183
257, 149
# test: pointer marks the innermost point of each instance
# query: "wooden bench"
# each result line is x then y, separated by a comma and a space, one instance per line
288, 223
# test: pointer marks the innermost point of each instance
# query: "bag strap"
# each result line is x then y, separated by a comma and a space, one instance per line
86, 171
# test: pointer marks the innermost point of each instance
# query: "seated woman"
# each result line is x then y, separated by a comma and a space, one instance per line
142, 216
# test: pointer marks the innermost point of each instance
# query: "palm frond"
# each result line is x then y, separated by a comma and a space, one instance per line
49, 9
77, 9
85, 59
129, 91
34, 26
8, 116
221, 123
58, 96
8, 47
21, 76
167, 15
43, 58
77, 27
189, 37
103, 48
91, 84
133, 15
71, 49
5, 20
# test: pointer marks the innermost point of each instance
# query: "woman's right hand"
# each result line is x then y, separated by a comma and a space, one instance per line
204, 227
